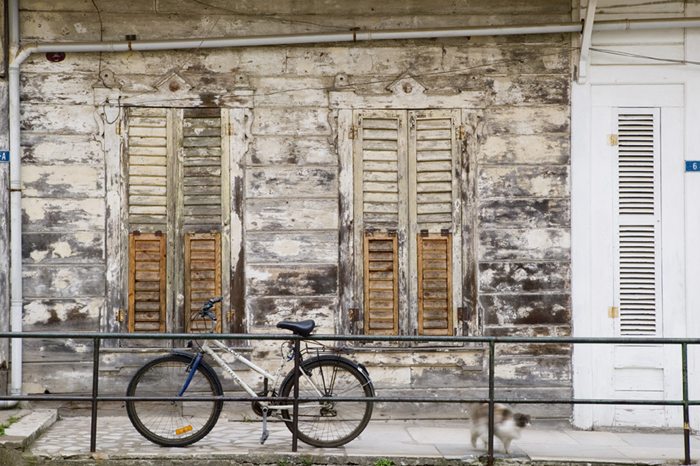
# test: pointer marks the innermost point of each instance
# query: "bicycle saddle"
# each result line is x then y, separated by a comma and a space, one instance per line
303, 328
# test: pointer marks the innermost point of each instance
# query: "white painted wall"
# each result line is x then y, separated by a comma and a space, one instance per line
622, 81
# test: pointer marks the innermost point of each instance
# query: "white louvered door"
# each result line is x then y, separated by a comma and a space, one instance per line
638, 222
638, 369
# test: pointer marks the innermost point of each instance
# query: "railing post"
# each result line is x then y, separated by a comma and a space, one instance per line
295, 409
686, 413
492, 370
95, 388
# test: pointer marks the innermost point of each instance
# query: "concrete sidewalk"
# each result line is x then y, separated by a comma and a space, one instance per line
233, 441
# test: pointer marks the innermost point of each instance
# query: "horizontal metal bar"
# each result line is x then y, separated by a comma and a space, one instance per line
361, 338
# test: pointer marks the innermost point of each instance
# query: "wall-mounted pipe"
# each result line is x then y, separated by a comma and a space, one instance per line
17, 56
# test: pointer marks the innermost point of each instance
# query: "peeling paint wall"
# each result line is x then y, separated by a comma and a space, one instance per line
518, 212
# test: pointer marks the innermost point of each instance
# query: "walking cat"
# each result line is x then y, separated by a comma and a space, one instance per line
507, 425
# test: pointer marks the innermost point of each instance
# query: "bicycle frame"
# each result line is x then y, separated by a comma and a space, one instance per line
207, 349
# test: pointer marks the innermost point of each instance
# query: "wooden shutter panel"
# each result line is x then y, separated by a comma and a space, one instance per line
638, 239
202, 277
147, 282
434, 284
201, 170
381, 290
433, 161
147, 148
382, 141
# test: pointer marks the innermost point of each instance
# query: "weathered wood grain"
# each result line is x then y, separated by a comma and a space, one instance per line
528, 277
292, 280
265, 312
526, 309
528, 120
63, 281
291, 151
62, 181
295, 121
74, 88
281, 247
290, 182
526, 149
63, 247
40, 214
59, 119
524, 213
525, 244
61, 149
524, 181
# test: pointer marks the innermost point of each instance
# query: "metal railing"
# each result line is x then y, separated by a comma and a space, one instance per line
95, 398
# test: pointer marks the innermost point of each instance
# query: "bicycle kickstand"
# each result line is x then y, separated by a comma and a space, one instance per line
265, 433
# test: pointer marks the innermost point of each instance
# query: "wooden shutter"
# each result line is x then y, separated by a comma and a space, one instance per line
147, 161
381, 287
202, 277
433, 161
201, 170
433, 164
147, 284
434, 284
638, 238
381, 161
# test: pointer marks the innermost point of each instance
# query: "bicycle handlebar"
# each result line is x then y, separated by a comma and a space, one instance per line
206, 311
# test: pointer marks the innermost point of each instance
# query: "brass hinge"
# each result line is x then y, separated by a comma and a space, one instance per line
613, 312
612, 139
462, 132
353, 132
354, 314
230, 315
120, 315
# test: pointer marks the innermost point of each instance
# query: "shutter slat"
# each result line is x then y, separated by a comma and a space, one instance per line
637, 237
202, 278
147, 282
434, 284
381, 309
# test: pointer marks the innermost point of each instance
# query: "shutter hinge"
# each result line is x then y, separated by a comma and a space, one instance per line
462, 133
230, 314
354, 314
119, 317
612, 139
613, 312
353, 132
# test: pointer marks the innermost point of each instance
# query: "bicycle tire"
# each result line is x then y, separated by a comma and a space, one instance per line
174, 424
330, 424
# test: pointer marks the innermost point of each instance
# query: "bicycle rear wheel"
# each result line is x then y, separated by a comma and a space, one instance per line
331, 423
174, 423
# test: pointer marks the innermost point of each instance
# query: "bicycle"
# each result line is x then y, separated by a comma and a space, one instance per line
185, 374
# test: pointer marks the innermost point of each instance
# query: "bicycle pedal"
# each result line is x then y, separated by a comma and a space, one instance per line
264, 437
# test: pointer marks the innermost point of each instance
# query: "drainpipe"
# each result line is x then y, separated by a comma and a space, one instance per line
15, 209
17, 56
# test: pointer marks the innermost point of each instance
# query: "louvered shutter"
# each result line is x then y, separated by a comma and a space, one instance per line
433, 163
147, 282
638, 234
201, 170
434, 284
381, 288
380, 181
202, 277
147, 169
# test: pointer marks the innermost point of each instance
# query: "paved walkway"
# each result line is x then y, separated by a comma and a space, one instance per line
70, 437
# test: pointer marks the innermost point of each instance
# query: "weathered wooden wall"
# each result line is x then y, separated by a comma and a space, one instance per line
518, 203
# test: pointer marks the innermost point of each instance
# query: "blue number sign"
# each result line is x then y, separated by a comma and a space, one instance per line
4, 155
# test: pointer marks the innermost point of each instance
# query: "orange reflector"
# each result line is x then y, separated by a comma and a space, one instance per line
183, 430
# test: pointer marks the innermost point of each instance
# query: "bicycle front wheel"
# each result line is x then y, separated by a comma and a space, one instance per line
330, 423
174, 423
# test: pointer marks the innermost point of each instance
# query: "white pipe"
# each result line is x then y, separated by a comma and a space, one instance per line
17, 56
15, 209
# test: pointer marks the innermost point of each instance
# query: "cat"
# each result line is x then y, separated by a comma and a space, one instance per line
507, 425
